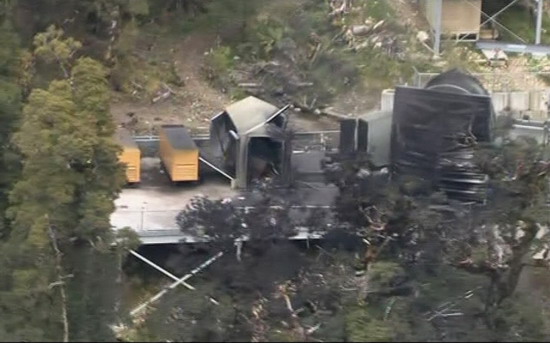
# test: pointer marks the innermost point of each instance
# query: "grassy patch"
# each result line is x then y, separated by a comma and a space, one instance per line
219, 62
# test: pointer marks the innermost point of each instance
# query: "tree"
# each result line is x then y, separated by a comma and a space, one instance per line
10, 108
428, 234
60, 209
266, 222
520, 175
53, 47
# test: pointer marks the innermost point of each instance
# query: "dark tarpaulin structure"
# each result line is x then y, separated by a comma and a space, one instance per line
249, 140
435, 130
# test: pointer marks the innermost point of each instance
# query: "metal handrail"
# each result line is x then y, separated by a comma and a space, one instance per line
154, 138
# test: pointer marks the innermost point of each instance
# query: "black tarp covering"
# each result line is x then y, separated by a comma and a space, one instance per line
362, 136
459, 82
348, 129
433, 136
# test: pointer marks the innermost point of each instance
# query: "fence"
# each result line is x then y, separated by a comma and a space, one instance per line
310, 140
154, 221
319, 140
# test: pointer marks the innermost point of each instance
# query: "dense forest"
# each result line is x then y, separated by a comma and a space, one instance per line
400, 262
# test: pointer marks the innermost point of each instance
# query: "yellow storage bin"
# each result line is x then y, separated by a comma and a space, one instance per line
179, 153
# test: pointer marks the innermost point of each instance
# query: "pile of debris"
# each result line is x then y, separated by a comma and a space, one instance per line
276, 78
375, 35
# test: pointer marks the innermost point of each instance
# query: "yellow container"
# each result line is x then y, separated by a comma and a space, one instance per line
179, 153
130, 156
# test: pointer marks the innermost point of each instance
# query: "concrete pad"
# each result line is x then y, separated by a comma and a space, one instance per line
156, 201
151, 208
156, 209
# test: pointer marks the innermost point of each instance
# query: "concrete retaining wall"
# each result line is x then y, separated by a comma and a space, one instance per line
534, 101
537, 100
500, 101
519, 101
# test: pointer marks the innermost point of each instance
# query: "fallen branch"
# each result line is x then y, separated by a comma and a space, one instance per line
313, 329
284, 292
137, 85
303, 84
315, 54
54, 284
168, 88
344, 8
328, 111
162, 96
249, 85
259, 326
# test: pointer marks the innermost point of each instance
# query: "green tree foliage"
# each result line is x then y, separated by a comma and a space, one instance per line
222, 222
63, 200
50, 140
511, 223
431, 237
10, 107
203, 315
362, 326
54, 48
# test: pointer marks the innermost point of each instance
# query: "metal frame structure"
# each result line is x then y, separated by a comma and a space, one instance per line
489, 18
176, 283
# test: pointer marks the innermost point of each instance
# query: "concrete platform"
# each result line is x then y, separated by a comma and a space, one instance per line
154, 203
151, 207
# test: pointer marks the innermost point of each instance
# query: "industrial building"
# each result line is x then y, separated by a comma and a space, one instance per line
457, 18
427, 132
247, 140
473, 20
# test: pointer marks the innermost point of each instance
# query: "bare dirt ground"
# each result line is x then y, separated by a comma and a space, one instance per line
410, 13
195, 102
357, 102
193, 105
522, 79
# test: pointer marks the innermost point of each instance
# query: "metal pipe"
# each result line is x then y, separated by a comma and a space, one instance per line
216, 168
492, 18
160, 269
539, 21
175, 284
437, 30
